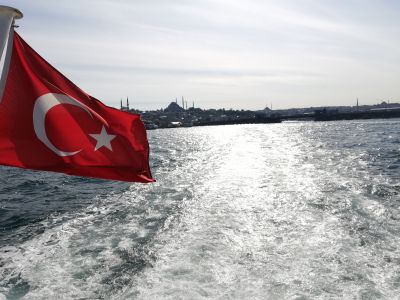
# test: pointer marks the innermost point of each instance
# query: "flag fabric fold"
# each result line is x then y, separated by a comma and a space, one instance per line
48, 123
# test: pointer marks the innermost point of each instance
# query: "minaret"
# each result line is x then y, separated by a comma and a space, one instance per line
183, 103
357, 103
127, 103
121, 104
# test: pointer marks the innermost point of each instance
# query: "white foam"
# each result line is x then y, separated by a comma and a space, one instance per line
251, 212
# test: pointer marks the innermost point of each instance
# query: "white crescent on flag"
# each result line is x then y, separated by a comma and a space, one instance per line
42, 105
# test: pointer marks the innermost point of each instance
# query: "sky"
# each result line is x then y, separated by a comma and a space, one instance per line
221, 53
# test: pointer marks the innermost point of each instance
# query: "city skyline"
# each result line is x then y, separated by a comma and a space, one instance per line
221, 53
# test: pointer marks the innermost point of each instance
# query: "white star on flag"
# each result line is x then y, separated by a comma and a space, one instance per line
103, 139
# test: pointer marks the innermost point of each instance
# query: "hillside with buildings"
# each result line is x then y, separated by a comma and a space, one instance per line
175, 115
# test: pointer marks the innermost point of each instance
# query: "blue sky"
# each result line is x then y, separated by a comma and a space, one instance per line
221, 53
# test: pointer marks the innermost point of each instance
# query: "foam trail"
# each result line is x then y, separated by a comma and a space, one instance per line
285, 211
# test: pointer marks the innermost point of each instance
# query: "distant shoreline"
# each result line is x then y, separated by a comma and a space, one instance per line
319, 117
176, 116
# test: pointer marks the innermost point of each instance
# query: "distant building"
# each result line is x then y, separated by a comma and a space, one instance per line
268, 112
173, 107
125, 108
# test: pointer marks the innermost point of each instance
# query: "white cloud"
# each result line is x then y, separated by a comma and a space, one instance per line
223, 52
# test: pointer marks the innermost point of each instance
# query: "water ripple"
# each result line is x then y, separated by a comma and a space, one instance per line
283, 211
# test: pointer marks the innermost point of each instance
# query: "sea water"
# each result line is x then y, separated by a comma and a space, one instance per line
274, 211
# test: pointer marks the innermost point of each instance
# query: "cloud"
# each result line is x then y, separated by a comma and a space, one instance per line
294, 53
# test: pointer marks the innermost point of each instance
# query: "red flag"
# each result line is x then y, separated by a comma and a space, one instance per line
48, 123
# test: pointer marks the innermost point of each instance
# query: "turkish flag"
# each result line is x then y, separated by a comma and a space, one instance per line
48, 123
